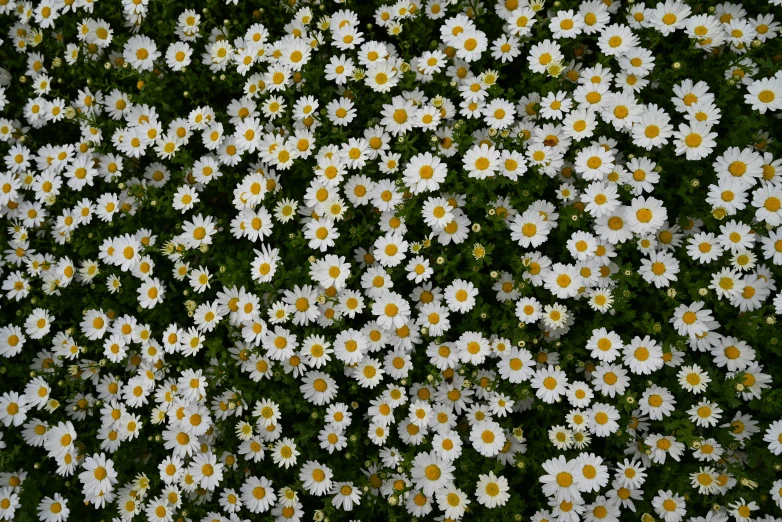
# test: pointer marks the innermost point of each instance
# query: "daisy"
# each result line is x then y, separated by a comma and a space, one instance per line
589, 473
318, 388
140, 52
616, 40
492, 491
13, 409
660, 268
53, 509
705, 414
341, 111
549, 384
460, 296
691, 320
38, 323
316, 478
704, 247
652, 128
764, 94
657, 402
487, 438
563, 281
768, 201
559, 481
695, 140
669, 506
430, 472
390, 249
530, 229
321, 234
579, 124
543, 54
481, 162
452, 501
470, 44
668, 17
744, 165
258, 495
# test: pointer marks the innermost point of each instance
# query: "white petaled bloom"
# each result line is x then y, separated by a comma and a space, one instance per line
492, 491
431, 473
141, 52
669, 506
99, 476
695, 140
452, 501
530, 229
460, 296
487, 438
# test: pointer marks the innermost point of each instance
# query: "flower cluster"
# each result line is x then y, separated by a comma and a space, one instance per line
352, 260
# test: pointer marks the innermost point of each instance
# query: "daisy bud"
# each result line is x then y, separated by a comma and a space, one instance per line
703, 291
392, 500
